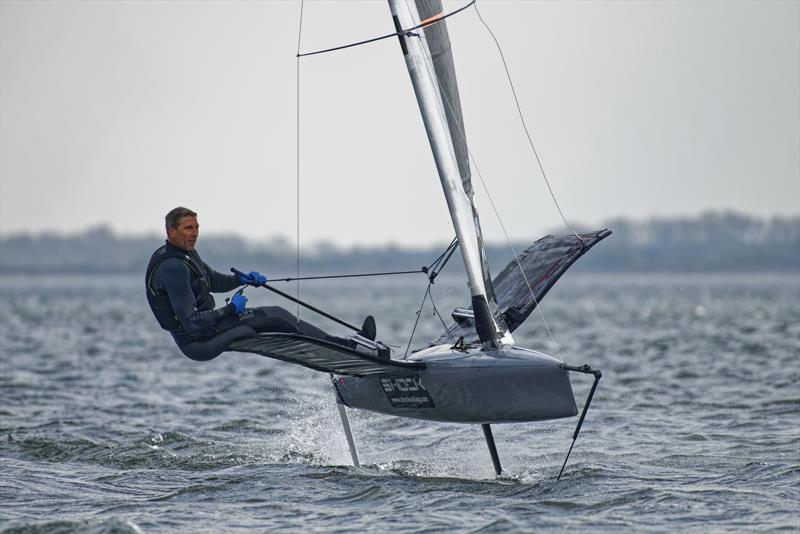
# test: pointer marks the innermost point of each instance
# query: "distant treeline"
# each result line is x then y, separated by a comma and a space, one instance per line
711, 242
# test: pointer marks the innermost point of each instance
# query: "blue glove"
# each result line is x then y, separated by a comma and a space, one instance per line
238, 301
254, 278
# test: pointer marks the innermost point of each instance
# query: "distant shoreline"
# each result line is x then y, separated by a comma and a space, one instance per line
712, 242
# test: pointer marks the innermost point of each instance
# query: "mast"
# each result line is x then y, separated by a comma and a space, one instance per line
426, 87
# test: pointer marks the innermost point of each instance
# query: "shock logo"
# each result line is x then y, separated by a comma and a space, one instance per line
406, 392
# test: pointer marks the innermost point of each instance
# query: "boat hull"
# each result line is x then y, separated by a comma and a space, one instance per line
504, 385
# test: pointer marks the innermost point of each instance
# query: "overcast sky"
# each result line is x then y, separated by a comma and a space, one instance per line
118, 111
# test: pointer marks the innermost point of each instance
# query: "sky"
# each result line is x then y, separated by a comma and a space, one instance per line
115, 112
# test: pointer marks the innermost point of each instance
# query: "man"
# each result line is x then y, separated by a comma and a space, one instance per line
179, 286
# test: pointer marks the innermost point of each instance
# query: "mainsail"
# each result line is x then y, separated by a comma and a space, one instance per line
524, 282
429, 59
442, 59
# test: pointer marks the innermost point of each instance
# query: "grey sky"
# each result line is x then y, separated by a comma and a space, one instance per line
118, 111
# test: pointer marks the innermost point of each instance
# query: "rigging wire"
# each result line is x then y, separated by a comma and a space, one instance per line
297, 192
416, 322
356, 275
427, 22
441, 320
444, 257
524, 126
435, 268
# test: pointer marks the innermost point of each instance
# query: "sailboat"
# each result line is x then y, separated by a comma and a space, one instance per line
473, 373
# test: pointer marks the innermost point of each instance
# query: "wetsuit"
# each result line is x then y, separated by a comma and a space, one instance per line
179, 286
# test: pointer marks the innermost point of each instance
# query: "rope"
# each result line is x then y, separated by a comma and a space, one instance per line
546, 181
428, 22
524, 126
297, 193
435, 268
416, 322
357, 275
439, 315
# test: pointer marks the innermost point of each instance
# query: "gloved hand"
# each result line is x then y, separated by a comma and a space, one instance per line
254, 278
238, 302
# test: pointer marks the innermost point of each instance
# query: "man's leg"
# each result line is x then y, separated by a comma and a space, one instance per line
203, 351
277, 319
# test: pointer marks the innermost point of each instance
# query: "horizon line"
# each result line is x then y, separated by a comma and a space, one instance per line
105, 227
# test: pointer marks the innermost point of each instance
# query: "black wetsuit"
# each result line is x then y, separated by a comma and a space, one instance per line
179, 286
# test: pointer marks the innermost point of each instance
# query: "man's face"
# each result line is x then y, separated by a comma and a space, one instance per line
185, 235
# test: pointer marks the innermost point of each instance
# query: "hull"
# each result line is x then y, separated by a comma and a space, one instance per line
504, 385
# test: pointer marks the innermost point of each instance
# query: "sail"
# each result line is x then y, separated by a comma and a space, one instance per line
437, 95
442, 58
543, 263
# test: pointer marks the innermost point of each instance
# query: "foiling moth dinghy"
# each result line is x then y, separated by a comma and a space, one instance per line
473, 373
462, 382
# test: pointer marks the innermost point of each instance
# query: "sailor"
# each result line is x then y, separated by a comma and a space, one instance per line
179, 289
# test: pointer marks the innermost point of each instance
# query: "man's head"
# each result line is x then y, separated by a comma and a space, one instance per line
182, 228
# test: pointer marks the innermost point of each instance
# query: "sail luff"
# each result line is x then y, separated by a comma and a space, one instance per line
459, 201
438, 40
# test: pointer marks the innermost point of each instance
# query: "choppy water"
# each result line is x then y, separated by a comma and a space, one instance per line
695, 425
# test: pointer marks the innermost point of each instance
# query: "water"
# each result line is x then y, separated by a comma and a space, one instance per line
695, 425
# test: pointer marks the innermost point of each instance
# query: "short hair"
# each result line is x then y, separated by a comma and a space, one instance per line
173, 218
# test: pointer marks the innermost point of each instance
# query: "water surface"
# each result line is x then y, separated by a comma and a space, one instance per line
106, 427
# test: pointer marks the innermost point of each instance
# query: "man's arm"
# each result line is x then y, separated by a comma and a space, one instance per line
221, 283
174, 277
